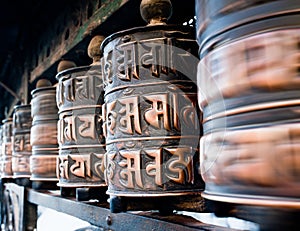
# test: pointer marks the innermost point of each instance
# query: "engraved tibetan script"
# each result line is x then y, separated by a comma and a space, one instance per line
81, 88
80, 166
72, 128
155, 55
161, 166
164, 111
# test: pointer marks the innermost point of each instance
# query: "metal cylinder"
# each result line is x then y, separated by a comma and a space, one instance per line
43, 137
151, 117
21, 148
80, 138
6, 151
249, 93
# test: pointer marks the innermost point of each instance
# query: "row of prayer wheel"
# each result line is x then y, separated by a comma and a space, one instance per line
129, 121
248, 78
135, 119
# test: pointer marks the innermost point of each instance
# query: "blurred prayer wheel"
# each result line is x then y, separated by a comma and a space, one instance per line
44, 133
80, 136
150, 115
6, 151
21, 148
249, 86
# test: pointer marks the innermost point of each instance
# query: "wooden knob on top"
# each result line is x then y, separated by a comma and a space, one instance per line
156, 11
94, 51
43, 83
65, 64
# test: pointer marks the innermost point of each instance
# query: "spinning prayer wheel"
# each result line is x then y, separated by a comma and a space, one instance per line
249, 86
151, 120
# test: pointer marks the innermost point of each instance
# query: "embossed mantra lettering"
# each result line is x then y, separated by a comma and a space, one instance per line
160, 111
177, 167
79, 88
81, 166
130, 57
74, 126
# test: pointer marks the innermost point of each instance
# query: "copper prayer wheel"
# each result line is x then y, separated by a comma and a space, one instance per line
150, 115
6, 151
21, 148
249, 86
80, 138
44, 133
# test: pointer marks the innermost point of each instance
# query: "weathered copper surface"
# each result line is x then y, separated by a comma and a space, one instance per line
44, 134
151, 117
81, 143
21, 148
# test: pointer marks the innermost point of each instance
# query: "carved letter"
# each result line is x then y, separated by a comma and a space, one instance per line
78, 166
110, 166
180, 166
87, 128
159, 108
62, 165
60, 94
132, 169
154, 168
158, 57
126, 59
69, 90
82, 86
69, 128
131, 113
111, 117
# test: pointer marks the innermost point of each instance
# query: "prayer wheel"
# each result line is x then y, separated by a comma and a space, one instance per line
248, 80
151, 119
6, 151
21, 148
80, 136
44, 133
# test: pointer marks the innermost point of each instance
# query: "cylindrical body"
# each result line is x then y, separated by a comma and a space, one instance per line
249, 86
6, 151
151, 117
21, 148
80, 138
44, 134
